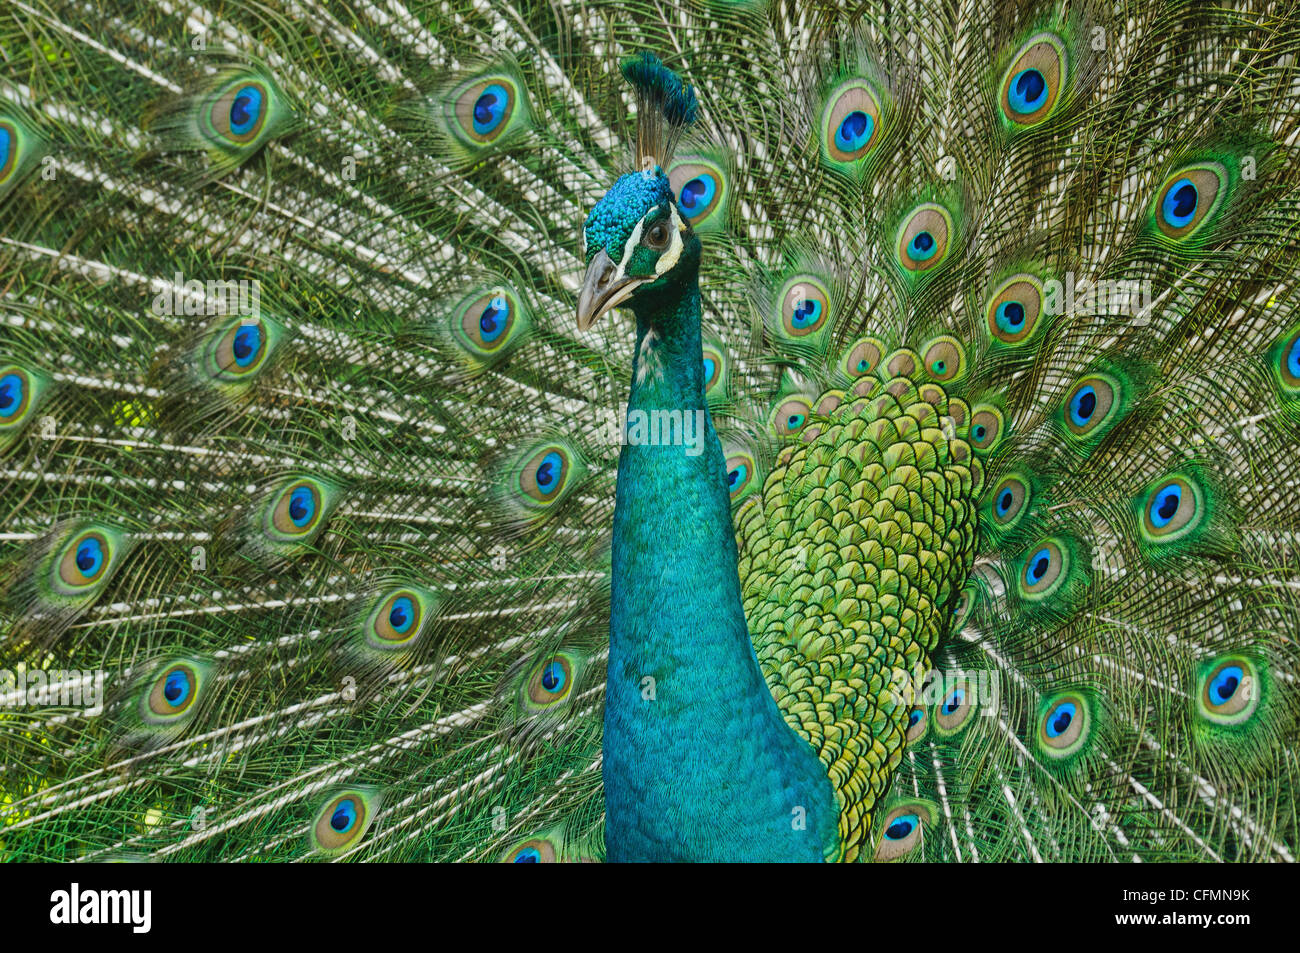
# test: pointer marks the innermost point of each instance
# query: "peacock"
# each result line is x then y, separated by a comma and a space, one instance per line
689, 430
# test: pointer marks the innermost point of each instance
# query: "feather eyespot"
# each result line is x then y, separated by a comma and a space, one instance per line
1284, 358
851, 121
85, 560
924, 237
985, 431
535, 850
1014, 309
487, 320
700, 187
902, 363
1064, 724
15, 395
293, 514
1173, 508
548, 682
238, 113
342, 821
22, 392
956, 708
741, 472
862, 358
173, 693
1091, 403
714, 368
1229, 690
20, 150
545, 474
1188, 198
1008, 502
485, 109
1032, 84
944, 359
398, 617
964, 607
805, 306
242, 348
298, 509
9, 147
901, 830
790, 416
917, 722
1044, 570
236, 350
552, 681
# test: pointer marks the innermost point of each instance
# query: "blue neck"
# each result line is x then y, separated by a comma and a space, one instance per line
698, 762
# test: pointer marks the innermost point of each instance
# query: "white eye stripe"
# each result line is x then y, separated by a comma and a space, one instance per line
669, 258
632, 241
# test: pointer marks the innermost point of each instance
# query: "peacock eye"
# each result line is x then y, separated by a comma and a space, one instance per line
535, 850
657, 237
342, 821
1230, 690
901, 831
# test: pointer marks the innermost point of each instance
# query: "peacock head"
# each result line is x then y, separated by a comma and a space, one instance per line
639, 247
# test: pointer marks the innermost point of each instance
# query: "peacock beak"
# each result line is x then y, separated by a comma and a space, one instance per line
602, 288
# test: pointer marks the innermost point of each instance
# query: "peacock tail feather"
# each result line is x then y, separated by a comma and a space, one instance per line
307, 473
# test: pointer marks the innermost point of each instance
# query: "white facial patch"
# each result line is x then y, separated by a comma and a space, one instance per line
629, 247
669, 258
670, 255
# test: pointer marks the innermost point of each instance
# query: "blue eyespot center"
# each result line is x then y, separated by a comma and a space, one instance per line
490, 109
247, 344
709, 368
697, 194
915, 717
176, 689
401, 614
980, 432
11, 394
1180, 203
302, 506
1038, 565
737, 476
90, 556
493, 319
1225, 684
1165, 505
529, 855
807, 313
549, 472
245, 110
955, 700
922, 246
1083, 404
901, 826
855, 131
1060, 718
1010, 316
1005, 499
794, 421
554, 677
1028, 91
6, 145
864, 365
344, 816
1293, 358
